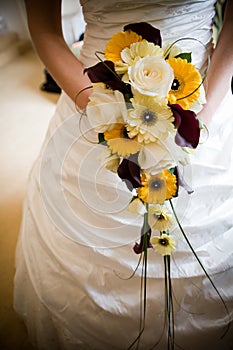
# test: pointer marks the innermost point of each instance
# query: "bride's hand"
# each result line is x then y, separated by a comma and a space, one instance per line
206, 114
82, 97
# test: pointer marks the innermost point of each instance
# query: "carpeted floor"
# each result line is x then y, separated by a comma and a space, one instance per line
24, 116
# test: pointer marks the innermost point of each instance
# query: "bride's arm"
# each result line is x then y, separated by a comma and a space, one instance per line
220, 73
44, 21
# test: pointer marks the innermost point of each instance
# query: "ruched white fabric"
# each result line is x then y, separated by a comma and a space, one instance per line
75, 251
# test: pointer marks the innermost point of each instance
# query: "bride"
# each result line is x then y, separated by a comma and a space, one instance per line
74, 251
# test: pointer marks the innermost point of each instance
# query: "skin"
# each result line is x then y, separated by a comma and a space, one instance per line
44, 21
67, 70
220, 73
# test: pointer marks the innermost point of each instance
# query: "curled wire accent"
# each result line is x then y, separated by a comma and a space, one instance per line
79, 110
82, 113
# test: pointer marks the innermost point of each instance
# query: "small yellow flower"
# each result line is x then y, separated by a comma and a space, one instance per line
159, 217
119, 142
157, 188
118, 42
185, 87
163, 244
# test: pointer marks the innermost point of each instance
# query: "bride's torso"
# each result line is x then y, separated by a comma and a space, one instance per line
175, 19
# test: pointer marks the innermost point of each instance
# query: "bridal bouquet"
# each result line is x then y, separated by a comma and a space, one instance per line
144, 108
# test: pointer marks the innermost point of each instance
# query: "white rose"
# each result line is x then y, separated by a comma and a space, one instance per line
156, 157
151, 76
105, 108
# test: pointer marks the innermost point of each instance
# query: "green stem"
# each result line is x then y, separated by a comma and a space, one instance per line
171, 310
169, 303
143, 289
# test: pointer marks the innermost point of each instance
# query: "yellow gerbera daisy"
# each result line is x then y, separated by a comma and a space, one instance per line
157, 188
163, 244
118, 42
150, 119
119, 142
159, 217
185, 87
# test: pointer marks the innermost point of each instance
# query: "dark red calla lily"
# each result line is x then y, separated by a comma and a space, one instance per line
139, 247
187, 124
147, 31
104, 72
129, 172
181, 182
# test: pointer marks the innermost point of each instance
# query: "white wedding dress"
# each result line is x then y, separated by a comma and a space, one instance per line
74, 251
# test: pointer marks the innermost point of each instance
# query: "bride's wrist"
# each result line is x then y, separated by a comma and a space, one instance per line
81, 98
206, 114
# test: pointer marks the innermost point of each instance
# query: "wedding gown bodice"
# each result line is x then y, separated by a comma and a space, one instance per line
175, 19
